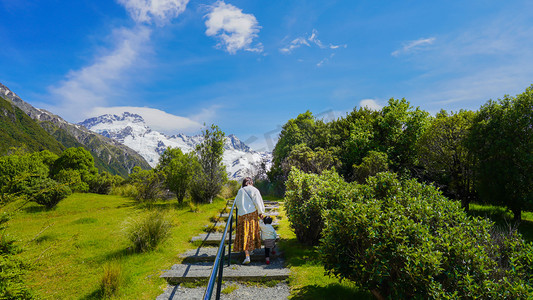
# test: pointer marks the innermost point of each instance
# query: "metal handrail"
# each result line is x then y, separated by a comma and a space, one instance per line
219, 260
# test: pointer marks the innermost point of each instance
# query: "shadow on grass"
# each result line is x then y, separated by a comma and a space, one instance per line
97, 294
297, 254
331, 291
36, 209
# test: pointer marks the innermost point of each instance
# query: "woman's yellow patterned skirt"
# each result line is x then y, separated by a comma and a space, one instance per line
247, 235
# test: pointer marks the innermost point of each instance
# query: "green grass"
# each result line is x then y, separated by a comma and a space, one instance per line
308, 279
503, 217
70, 245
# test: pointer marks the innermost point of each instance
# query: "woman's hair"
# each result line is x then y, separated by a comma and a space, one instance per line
247, 181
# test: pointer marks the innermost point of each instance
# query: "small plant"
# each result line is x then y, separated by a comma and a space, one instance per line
229, 289
148, 231
111, 279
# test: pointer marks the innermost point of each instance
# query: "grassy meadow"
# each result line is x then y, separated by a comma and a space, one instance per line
70, 246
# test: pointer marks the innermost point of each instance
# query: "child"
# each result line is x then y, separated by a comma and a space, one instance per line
268, 234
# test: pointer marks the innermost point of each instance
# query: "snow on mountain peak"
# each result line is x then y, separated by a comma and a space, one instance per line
131, 130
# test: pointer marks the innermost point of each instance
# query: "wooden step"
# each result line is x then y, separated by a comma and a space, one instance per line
252, 272
209, 254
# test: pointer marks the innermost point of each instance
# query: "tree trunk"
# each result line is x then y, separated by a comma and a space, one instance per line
517, 212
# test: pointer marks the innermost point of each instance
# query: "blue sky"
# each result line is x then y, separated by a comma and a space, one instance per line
249, 66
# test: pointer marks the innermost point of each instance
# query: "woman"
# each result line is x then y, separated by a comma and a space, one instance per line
250, 205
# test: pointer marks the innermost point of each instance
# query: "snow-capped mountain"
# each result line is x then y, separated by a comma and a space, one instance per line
131, 130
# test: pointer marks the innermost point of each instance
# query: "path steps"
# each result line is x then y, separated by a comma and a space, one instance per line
237, 272
197, 264
209, 253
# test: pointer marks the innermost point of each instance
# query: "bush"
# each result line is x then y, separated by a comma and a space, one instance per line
403, 239
103, 183
126, 190
230, 189
308, 196
148, 231
148, 183
46, 191
73, 179
111, 279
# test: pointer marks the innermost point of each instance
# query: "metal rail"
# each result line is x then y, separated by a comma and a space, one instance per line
218, 265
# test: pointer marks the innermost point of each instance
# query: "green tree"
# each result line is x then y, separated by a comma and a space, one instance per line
148, 183
375, 162
398, 128
502, 141
211, 176
178, 170
77, 159
446, 159
308, 160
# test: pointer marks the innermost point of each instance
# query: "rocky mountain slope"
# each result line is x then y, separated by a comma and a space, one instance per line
131, 130
109, 154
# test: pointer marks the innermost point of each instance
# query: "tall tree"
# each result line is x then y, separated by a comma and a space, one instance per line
502, 140
212, 175
446, 159
178, 170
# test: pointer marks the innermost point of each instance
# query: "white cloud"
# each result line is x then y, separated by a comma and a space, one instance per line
160, 11
413, 46
156, 119
234, 29
296, 43
308, 41
93, 85
370, 104
325, 60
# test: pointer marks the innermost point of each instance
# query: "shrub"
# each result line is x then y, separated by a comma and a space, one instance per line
103, 183
146, 232
73, 179
148, 183
230, 189
111, 279
46, 191
403, 239
308, 196
126, 190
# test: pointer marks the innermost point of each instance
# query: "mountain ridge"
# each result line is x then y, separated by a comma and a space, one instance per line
131, 130
109, 155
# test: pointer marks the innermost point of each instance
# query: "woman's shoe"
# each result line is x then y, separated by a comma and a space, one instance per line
267, 260
246, 260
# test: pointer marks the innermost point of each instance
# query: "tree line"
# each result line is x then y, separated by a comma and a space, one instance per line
483, 155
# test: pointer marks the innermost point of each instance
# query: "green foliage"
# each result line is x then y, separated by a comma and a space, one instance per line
308, 160
308, 196
103, 183
178, 170
45, 191
230, 189
148, 184
304, 131
375, 162
211, 176
146, 232
403, 239
501, 139
72, 178
15, 168
17, 129
444, 156
12, 268
76, 159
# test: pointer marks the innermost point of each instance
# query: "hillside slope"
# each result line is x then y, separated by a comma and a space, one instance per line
109, 155
19, 130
